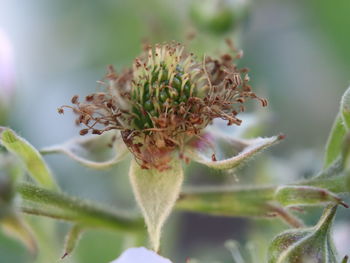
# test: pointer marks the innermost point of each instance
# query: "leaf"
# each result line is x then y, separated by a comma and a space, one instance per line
296, 195
31, 158
221, 154
15, 227
72, 239
96, 151
339, 129
345, 108
335, 142
156, 193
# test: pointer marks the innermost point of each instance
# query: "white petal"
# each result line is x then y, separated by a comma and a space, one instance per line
140, 255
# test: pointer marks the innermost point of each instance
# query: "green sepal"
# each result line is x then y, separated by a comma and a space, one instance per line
248, 148
31, 158
156, 193
95, 151
72, 239
299, 195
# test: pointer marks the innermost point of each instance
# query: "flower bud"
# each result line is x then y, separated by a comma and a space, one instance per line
311, 245
217, 16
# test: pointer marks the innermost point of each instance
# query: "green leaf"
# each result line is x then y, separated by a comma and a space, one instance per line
96, 151
296, 195
156, 193
335, 142
217, 157
340, 127
31, 158
345, 108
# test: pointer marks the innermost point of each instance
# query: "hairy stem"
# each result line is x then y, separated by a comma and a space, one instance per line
42, 202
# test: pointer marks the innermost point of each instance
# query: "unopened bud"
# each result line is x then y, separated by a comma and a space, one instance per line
218, 16
312, 245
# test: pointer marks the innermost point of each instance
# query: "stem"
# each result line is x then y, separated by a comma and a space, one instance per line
248, 201
58, 205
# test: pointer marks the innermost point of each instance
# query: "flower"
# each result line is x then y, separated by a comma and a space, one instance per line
168, 109
165, 101
140, 254
7, 76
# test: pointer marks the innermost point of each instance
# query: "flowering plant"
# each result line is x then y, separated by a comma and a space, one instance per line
169, 109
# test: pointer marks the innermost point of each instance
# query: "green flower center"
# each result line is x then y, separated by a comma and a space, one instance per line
157, 93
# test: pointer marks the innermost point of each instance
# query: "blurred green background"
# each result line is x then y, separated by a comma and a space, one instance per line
299, 56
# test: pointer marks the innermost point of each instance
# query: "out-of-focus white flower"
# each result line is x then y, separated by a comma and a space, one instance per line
341, 234
6, 68
140, 255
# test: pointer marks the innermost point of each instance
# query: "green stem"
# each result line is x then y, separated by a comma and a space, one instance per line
39, 201
247, 201
240, 201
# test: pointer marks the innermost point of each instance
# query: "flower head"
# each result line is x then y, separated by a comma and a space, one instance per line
166, 99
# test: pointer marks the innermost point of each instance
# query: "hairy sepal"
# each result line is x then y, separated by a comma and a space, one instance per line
156, 193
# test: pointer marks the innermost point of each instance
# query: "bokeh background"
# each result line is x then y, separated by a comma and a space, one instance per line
299, 56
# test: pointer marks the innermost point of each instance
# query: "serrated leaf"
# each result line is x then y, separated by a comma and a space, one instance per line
95, 151
156, 193
298, 195
31, 158
228, 153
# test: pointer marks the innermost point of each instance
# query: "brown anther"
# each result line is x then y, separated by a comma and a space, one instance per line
264, 102
95, 131
213, 157
74, 99
83, 131
89, 98
60, 110
109, 105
